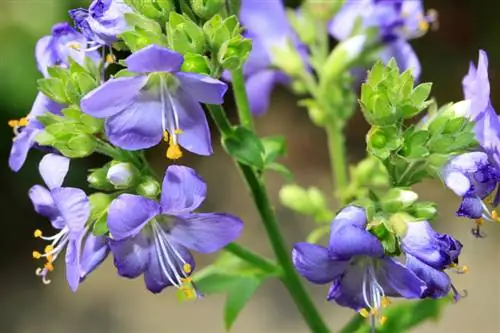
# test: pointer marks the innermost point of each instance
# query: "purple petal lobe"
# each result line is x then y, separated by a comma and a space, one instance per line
203, 88
195, 135
399, 278
130, 255
128, 214
154, 58
43, 203
21, 146
95, 250
166, 266
74, 207
53, 169
113, 96
73, 262
207, 232
471, 207
348, 289
313, 263
183, 190
404, 55
476, 86
438, 283
259, 86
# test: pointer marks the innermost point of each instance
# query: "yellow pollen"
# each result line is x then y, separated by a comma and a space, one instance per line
385, 302
382, 320
110, 59
187, 268
463, 269
49, 248
174, 152
364, 313
494, 216
75, 46
165, 136
49, 266
18, 123
37, 233
423, 25
23, 121
37, 255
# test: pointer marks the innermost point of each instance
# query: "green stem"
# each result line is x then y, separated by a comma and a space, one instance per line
253, 258
289, 276
338, 160
240, 95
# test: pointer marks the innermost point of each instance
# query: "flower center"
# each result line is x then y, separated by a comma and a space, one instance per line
169, 121
17, 125
173, 266
51, 252
373, 296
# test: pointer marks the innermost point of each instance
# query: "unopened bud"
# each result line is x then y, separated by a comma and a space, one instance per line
122, 175
148, 188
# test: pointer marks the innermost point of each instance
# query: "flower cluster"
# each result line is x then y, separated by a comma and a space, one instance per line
148, 230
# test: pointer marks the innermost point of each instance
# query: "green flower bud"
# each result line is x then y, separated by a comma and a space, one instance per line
398, 199
196, 63
233, 53
122, 175
424, 211
98, 179
99, 203
149, 188
206, 8
304, 25
342, 56
297, 199
287, 58
399, 223
184, 36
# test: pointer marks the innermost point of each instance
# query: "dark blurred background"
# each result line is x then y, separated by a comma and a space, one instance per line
107, 303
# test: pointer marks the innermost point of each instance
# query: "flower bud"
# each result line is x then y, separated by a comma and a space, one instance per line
304, 25
424, 211
195, 63
122, 175
286, 57
342, 56
399, 223
205, 9
233, 53
297, 199
397, 199
148, 188
97, 179
184, 36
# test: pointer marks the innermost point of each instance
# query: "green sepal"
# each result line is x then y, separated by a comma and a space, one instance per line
54, 89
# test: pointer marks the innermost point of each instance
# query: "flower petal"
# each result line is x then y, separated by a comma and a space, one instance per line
73, 262
130, 255
113, 96
74, 207
206, 232
348, 289
471, 207
139, 125
45, 206
154, 58
195, 135
95, 250
203, 88
155, 275
259, 86
313, 263
21, 146
183, 190
342, 25
393, 275
43, 104
438, 283
476, 86
349, 238
128, 214
53, 169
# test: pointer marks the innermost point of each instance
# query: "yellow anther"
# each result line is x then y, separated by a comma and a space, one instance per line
423, 25
373, 311
174, 152
188, 292
165, 136
494, 216
75, 46
479, 221
23, 121
364, 313
49, 248
110, 59
49, 266
463, 269
13, 123
385, 301
186, 280
382, 320
37, 255
187, 268
37, 233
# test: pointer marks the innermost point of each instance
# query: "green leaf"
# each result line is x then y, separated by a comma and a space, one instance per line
58, 72
54, 89
245, 146
274, 147
420, 94
281, 169
72, 93
238, 296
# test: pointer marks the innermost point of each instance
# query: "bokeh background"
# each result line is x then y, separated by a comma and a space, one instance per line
106, 303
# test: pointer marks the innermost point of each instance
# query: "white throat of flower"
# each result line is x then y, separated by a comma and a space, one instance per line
173, 266
373, 295
169, 121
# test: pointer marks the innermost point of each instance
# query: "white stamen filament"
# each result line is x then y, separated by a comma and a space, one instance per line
372, 290
169, 117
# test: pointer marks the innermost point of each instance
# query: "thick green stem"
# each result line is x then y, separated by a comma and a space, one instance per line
241, 98
338, 160
289, 276
253, 258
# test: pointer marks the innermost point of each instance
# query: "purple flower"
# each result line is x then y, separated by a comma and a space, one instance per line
64, 43
268, 26
428, 254
68, 210
397, 21
153, 238
472, 177
363, 277
103, 21
160, 102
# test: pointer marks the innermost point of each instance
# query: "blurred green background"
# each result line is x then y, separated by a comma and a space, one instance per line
106, 303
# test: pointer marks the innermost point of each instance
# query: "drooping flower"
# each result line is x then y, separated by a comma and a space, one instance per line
267, 25
363, 276
153, 238
429, 254
68, 210
160, 102
397, 22
103, 21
